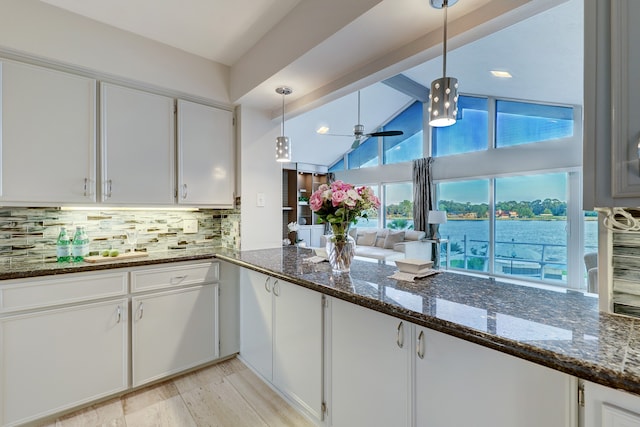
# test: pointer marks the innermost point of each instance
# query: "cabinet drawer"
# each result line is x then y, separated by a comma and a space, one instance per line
34, 293
168, 277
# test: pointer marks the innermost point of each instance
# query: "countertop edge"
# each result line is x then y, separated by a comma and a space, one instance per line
550, 359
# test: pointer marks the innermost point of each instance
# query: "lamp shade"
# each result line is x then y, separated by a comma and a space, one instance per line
437, 217
283, 149
443, 105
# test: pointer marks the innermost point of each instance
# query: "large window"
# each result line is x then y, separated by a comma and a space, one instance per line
366, 155
398, 206
521, 123
467, 226
408, 146
470, 133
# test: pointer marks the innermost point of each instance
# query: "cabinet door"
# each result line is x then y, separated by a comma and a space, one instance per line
138, 150
370, 367
606, 407
256, 322
460, 384
298, 350
173, 331
48, 135
206, 156
57, 359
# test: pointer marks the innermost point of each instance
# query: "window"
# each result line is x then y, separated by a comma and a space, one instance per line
337, 166
531, 226
408, 146
467, 226
470, 133
398, 206
366, 155
522, 123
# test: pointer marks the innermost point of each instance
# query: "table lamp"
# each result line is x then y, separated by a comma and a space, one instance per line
436, 218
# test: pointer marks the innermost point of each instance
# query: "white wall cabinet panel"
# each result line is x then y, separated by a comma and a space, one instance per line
460, 384
298, 350
48, 136
206, 155
256, 324
370, 368
281, 336
138, 150
57, 359
606, 407
173, 331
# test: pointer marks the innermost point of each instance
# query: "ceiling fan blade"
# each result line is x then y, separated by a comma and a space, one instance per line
387, 133
336, 134
355, 144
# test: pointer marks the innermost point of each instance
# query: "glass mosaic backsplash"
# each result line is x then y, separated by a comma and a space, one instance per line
29, 234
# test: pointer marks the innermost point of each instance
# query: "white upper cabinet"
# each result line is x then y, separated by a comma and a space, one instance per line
138, 147
206, 155
48, 136
611, 101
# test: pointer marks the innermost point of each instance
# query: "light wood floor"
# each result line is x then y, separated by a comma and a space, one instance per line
227, 394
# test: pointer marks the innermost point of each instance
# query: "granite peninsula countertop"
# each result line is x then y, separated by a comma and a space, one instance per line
560, 329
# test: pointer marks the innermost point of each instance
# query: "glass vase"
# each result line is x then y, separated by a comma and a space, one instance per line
340, 248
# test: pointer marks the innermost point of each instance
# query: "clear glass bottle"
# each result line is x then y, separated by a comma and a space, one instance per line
80, 246
63, 246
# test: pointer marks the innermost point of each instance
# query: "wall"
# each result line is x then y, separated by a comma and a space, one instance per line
29, 234
260, 225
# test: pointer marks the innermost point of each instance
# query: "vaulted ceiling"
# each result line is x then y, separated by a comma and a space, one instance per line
328, 50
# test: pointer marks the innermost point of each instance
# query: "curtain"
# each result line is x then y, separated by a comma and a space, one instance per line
423, 202
422, 194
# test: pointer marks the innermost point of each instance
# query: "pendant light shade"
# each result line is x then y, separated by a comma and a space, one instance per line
443, 97
283, 144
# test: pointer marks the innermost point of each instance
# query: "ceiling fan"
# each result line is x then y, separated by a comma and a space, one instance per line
358, 131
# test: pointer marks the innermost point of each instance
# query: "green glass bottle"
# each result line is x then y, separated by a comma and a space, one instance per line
63, 246
80, 245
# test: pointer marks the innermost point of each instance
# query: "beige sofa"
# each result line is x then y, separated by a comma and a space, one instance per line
384, 244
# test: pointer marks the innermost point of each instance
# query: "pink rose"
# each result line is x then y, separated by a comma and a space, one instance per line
315, 201
338, 197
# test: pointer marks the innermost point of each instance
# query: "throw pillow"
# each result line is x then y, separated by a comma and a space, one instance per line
367, 238
393, 238
382, 235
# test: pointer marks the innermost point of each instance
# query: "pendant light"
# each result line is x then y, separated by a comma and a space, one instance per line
443, 98
283, 144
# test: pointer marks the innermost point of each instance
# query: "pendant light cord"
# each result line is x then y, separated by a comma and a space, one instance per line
445, 6
282, 127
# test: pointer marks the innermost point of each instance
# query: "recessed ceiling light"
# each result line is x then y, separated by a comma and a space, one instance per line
501, 74
322, 130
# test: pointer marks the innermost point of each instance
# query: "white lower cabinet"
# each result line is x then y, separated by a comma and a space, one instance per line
281, 337
606, 407
173, 331
370, 368
461, 384
56, 359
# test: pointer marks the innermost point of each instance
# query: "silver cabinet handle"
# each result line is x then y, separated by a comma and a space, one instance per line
108, 195
400, 335
420, 345
184, 191
266, 284
276, 288
86, 187
140, 311
118, 314
177, 279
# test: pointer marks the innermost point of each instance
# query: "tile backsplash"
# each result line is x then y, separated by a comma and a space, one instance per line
29, 234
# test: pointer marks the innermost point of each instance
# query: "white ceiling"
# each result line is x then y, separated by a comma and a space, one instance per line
220, 30
543, 52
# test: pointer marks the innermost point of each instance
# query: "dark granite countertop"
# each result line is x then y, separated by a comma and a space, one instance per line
560, 329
